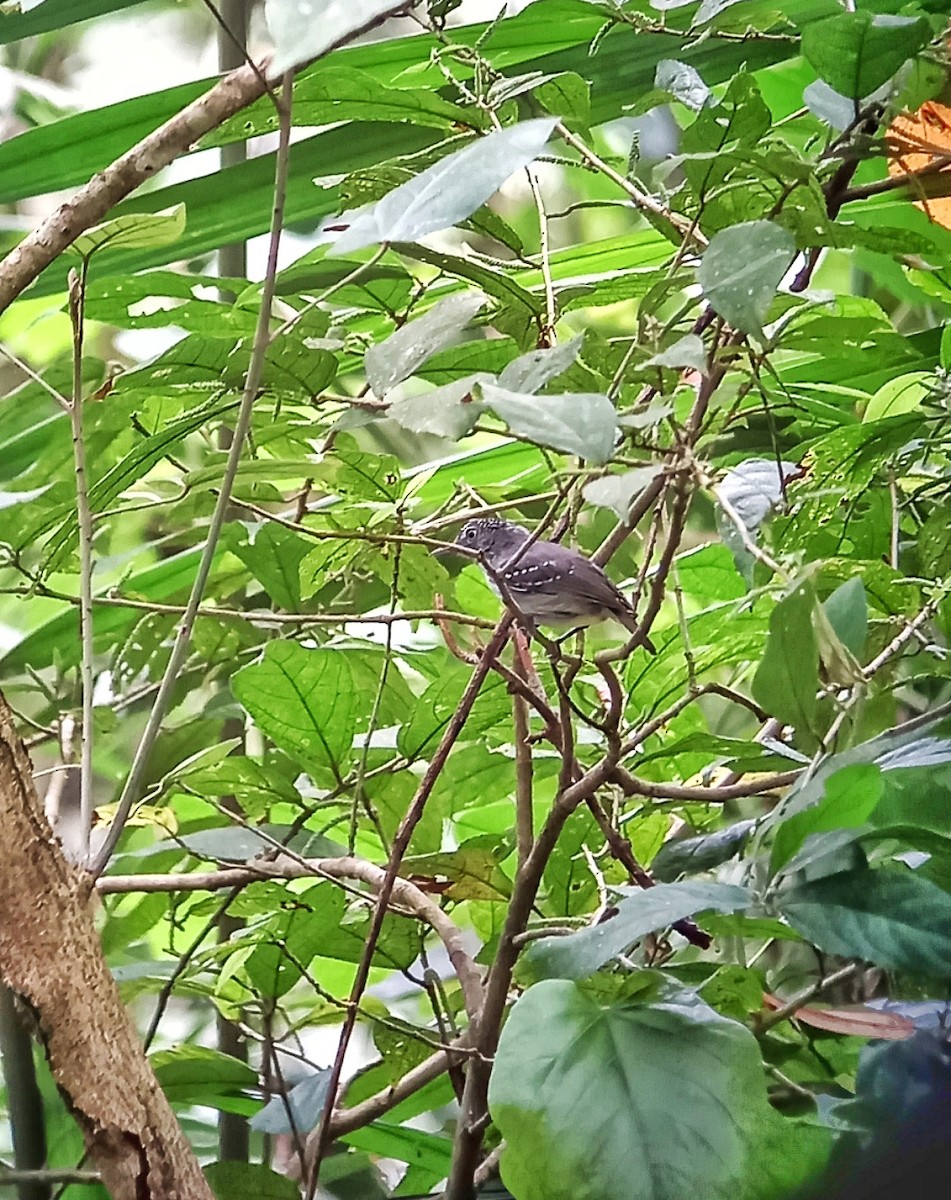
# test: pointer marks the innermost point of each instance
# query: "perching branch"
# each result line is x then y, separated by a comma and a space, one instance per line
403, 895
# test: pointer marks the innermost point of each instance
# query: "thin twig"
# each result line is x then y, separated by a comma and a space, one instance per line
36, 377
130, 791
643, 201
400, 844
524, 823
77, 306
789, 1010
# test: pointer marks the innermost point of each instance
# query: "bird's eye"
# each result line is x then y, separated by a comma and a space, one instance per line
469, 534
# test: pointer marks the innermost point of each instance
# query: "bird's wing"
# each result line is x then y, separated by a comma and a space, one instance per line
590, 581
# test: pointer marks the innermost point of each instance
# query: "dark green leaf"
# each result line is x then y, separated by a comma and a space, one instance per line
787, 679
688, 856
856, 52
890, 918
847, 611
239, 1180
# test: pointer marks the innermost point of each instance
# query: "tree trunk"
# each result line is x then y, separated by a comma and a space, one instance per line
51, 956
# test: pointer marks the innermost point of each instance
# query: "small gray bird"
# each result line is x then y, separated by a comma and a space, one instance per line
551, 584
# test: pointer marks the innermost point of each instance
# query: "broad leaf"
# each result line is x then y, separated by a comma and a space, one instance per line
582, 424
894, 919
590, 1104
304, 700
856, 52
448, 411
787, 679
391, 361
638, 913
137, 231
851, 796
741, 270
688, 856
238, 1180
448, 192
531, 372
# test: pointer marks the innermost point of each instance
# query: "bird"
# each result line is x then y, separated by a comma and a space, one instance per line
551, 584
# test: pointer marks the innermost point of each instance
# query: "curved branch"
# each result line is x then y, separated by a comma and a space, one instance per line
404, 894
91, 203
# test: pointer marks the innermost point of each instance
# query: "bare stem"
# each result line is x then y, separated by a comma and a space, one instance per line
77, 304
133, 783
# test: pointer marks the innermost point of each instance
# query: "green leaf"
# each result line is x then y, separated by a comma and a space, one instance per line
847, 611
618, 492
415, 1146
742, 268
688, 856
686, 1082
904, 394
851, 796
568, 97
135, 231
391, 361
787, 679
304, 700
893, 919
130, 468
329, 93
450, 190
53, 14
578, 423
239, 1180
58, 640
199, 1075
856, 52
530, 372
639, 913
259, 785
448, 411
274, 558
300, 33
473, 870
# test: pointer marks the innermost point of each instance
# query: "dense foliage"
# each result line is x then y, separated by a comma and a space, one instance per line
609, 873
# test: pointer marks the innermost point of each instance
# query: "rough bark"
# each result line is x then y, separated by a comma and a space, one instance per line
50, 954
